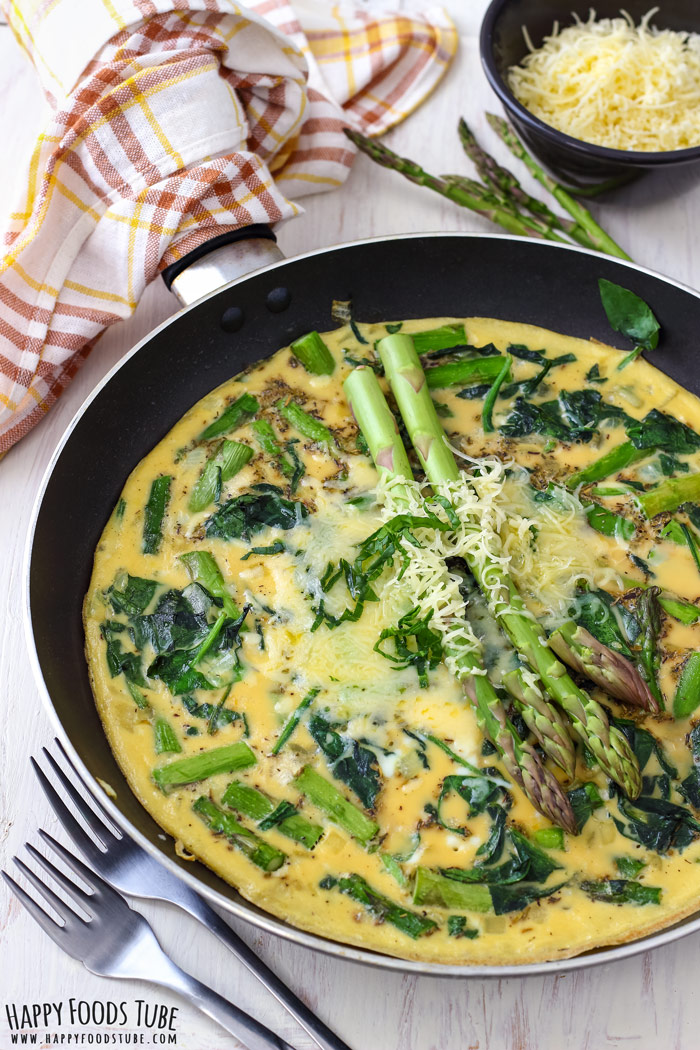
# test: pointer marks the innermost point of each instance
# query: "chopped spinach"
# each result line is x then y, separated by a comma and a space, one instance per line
457, 927
382, 908
656, 823
473, 393
154, 513
174, 624
628, 867
593, 375
131, 595
621, 891
663, 433
670, 465
584, 800
355, 765
525, 354
690, 788
265, 507
128, 664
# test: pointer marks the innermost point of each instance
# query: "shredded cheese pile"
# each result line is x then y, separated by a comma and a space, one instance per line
615, 84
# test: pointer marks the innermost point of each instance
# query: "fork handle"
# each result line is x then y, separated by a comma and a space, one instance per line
312, 1025
252, 1034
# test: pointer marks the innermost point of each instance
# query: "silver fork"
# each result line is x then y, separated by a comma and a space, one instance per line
127, 867
118, 942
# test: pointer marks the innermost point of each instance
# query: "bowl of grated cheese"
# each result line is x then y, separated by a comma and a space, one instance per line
598, 94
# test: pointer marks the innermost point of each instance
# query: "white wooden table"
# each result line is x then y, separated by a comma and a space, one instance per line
649, 1002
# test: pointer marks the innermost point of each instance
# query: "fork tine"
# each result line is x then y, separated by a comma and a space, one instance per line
45, 921
79, 896
110, 826
88, 876
69, 822
59, 905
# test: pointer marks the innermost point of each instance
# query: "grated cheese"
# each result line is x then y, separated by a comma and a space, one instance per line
615, 84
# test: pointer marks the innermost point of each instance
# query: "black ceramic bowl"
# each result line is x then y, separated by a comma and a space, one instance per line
503, 45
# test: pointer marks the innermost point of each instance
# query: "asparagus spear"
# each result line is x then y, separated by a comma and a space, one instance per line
382, 908
481, 203
228, 759
466, 371
327, 797
223, 465
237, 413
598, 237
313, 354
379, 428
669, 495
261, 853
508, 188
612, 671
253, 803
306, 424
616, 459
610, 747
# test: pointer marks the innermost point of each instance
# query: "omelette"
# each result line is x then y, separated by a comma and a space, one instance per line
271, 678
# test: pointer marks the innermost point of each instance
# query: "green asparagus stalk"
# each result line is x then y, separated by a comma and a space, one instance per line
267, 439
687, 695
202, 568
294, 720
306, 424
223, 465
326, 796
583, 218
253, 803
431, 887
166, 741
608, 744
228, 759
618, 458
445, 337
464, 372
261, 853
612, 671
382, 908
669, 495
237, 413
507, 186
313, 354
481, 203
541, 787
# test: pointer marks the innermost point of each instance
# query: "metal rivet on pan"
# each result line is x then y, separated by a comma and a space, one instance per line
232, 319
278, 300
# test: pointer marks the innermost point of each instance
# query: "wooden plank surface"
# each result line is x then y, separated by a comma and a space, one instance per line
649, 1002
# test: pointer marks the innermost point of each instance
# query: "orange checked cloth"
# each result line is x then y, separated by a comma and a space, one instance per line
174, 121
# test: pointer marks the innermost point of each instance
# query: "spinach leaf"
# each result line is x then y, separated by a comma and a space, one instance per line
174, 624
629, 315
128, 664
644, 745
478, 792
670, 465
154, 513
491, 850
621, 891
507, 898
656, 823
415, 644
528, 418
132, 596
243, 516
355, 765
382, 908
593, 375
472, 393
584, 800
525, 354
663, 433
609, 622
628, 867
216, 715
457, 927
526, 862
690, 787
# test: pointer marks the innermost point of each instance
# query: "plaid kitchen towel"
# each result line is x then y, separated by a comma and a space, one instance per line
174, 121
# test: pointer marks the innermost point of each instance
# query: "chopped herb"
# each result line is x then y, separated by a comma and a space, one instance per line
415, 644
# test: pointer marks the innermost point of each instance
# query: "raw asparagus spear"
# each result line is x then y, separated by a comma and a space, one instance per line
610, 747
598, 237
612, 671
481, 203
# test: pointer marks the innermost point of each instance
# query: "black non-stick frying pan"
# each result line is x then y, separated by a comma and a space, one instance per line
390, 278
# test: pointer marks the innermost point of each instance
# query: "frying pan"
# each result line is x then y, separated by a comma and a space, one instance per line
213, 339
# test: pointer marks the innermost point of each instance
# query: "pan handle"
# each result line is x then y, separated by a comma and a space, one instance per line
221, 260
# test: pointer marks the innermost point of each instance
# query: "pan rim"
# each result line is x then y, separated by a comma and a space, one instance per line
241, 909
